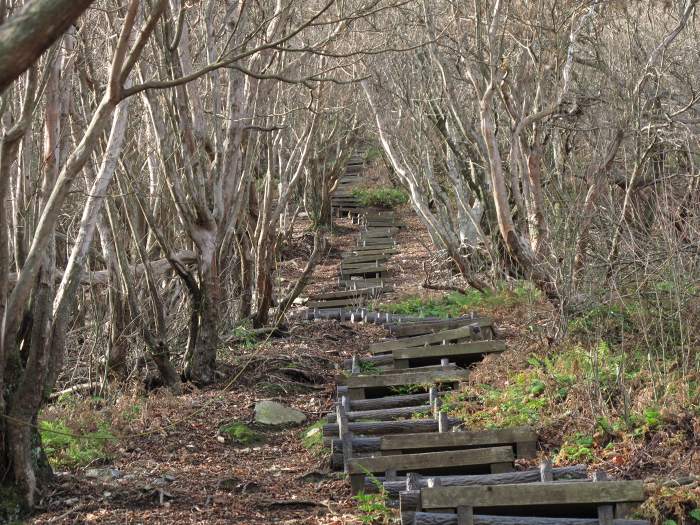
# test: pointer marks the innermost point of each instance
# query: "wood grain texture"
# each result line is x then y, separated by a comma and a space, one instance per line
453, 350
407, 378
455, 334
418, 462
506, 436
533, 494
411, 426
425, 518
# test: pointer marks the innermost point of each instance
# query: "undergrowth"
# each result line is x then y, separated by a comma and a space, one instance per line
456, 304
373, 505
70, 447
621, 391
380, 197
78, 432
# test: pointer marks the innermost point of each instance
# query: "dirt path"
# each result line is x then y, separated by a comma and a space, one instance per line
191, 474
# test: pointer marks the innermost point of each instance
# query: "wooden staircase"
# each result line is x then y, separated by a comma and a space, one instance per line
389, 426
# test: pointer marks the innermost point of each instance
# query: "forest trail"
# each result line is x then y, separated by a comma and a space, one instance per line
390, 432
197, 472
193, 472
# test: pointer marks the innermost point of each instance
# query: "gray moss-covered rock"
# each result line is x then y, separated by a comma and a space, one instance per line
276, 414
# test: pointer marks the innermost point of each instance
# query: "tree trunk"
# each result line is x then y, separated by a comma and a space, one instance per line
25, 36
203, 339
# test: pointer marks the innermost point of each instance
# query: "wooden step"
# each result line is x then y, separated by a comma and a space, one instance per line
361, 386
522, 440
380, 428
363, 283
567, 499
441, 518
375, 272
383, 414
394, 487
432, 326
363, 251
470, 332
464, 353
378, 232
342, 294
371, 262
335, 303
365, 258
479, 460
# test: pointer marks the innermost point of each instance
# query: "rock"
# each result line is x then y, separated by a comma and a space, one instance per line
103, 474
276, 414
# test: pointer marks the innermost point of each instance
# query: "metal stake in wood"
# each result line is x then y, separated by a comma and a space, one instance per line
443, 422
344, 432
546, 473
606, 513
465, 515
413, 481
434, 482
437, 403
355, 369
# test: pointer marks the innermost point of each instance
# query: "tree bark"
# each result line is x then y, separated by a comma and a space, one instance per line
25, 36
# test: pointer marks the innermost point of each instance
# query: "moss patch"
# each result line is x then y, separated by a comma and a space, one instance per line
241, 433
312, 437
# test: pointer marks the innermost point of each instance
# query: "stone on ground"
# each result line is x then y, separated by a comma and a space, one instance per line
274, 413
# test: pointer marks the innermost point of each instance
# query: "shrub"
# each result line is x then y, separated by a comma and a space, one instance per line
66, 448
380, 197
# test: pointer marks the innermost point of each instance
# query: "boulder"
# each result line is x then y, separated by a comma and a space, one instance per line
276, 414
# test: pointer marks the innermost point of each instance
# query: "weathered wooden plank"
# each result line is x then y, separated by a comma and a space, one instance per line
353, 269
394, 487
379, 243
565, 493
380, 428
375, 360
431, 460
368, 265
453, 350
374, 291
346, 314
366, 258
391, 401
406, 378
334, 303
359, 444
435, 518
505, 436
362, 250
456, 334
364, 283
382, 414
430, 326
375, 231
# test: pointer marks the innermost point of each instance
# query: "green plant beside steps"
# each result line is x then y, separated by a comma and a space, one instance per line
380, 197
